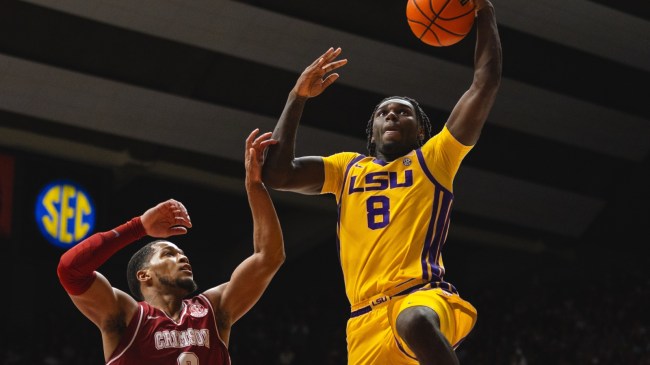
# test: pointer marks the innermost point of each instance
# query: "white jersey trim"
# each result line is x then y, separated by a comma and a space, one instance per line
214, 318
135, 334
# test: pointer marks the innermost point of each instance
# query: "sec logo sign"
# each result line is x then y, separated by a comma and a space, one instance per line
65, 213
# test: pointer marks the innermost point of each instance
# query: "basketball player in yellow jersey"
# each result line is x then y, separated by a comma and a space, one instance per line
394, 208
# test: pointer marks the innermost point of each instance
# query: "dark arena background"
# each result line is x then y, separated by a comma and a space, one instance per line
138, 101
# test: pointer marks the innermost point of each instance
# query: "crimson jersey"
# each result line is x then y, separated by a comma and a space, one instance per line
154, 338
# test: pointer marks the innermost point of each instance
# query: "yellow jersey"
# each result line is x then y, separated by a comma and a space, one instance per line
393, 217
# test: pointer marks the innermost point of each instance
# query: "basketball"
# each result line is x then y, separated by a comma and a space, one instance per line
440, 23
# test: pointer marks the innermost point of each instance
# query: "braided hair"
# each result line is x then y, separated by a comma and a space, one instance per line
420, 115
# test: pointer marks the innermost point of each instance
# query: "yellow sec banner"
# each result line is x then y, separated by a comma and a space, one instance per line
65, 213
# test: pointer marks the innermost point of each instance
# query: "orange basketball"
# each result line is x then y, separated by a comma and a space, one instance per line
440, 23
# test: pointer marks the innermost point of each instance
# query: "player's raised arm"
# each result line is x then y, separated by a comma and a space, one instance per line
251, 278
470, 113
107, 307
282, 170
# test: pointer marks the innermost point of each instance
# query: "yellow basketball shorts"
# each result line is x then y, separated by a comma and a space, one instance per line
372, 337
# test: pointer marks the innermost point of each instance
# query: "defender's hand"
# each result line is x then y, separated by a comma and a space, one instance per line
169, 218
254, 155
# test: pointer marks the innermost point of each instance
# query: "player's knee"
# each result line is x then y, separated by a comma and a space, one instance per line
417, 321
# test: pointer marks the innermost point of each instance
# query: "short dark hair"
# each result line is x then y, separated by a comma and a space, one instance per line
420, 115
139, 261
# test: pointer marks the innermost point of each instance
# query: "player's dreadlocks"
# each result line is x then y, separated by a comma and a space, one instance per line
420, 115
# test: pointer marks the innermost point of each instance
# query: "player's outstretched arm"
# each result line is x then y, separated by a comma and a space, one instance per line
282, 170
110, 308
251, 278
470, 113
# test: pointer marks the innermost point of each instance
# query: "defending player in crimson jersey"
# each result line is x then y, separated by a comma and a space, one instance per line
160, 324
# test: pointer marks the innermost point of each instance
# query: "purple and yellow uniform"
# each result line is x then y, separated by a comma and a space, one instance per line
393, 223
